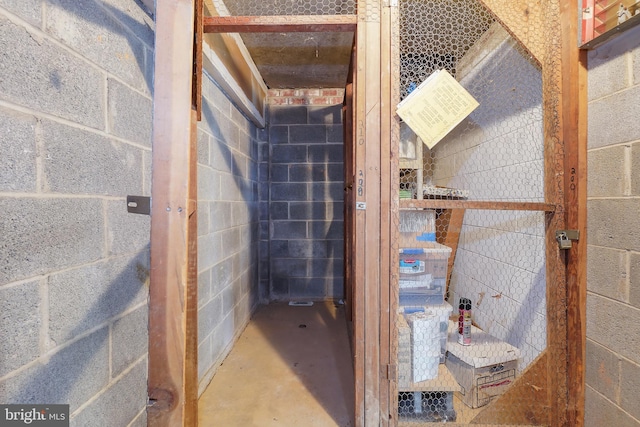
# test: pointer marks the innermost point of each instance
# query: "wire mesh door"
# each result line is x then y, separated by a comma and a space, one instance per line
479, 285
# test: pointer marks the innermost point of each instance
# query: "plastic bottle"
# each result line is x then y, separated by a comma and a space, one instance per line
464, 321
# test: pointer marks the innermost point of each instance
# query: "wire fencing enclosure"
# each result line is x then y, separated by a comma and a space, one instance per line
472, 277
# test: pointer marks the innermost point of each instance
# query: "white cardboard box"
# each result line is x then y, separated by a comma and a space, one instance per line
485, 369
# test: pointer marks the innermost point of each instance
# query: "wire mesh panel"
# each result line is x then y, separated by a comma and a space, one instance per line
465, 337
289, 7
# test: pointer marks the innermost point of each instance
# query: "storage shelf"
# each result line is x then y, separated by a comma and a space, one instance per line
443, 382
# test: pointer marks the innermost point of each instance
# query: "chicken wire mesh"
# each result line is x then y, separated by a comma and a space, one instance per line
287, 7
498, 272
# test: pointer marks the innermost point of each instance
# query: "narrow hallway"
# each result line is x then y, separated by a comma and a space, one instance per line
290, 367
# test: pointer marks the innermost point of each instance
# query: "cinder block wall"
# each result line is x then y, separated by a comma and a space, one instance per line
228, 214
497, 154
613, 265
304, 229
75, 138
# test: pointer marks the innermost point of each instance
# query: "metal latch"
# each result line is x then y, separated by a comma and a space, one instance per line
566, 237
361, 206
139, 205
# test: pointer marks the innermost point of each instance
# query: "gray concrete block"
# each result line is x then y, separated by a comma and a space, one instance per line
327, 229
634, 280
307, 172
221, 276
129, 113
85, 297
205, 354
278, 134
335, 172
44, 235
209, 184
327, 191
335, 134
289, 230
602, 369
263, 153
263, 172
279, 210
288, 153
18, 166
279, 173
146, 171
204, 215
307, 134
630, 388
313, 289
100, 165
335, 248
335, 289
635, 169
140, 420
20, 322
29, 10
279, 115
220, 215
210, 315
607, 324
129, 340
214, 95
126, 233
95, 34
220, 156
607, 272
120, 403
262, 134
332, 153
230, 241
307, 249
325, 115
607, 172
600, 411
607, 71
204, 287
326, 267
335, 210
308, 210
288, 192
55, 82
222, 337
612, 119
209, 250
70, 376
264, 191
288, 267
614, 234
134, 15
279, 248
227, 297
264, 230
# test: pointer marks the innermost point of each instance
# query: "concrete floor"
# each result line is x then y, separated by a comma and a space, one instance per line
291, 366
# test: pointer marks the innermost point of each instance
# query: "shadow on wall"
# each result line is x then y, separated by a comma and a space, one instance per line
84, 367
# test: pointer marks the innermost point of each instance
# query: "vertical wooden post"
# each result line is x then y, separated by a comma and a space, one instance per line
574, 109
172, 380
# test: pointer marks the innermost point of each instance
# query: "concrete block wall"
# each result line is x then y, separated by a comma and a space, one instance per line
497, 154
228, 221
613, 255
75, 138
304, 193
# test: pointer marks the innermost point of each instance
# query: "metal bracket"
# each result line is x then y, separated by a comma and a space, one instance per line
139, 205
566, 237
361, 206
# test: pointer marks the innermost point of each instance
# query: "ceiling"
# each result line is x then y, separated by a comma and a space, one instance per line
296, 60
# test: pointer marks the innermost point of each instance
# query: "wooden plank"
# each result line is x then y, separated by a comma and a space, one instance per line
524, 403
385, 313
454, 227
197, 59
280, 24
574, 108
473, 204
349, 200
525, 21
169, 327
191, 300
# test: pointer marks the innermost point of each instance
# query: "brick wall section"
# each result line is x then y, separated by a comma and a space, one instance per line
304, 229
228, 240
75, 120
613, 257
497, 154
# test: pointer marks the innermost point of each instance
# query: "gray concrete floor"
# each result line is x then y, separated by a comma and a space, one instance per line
281, 373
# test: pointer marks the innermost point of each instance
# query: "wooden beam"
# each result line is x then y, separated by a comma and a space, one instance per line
197, 59
454, 218
170, 383
476, 204
280, 24
525, 21
574, 109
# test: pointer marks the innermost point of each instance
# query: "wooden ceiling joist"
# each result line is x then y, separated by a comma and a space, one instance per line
280, 24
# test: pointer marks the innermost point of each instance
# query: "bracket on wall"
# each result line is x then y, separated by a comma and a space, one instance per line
139, 205
566, 237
